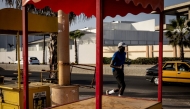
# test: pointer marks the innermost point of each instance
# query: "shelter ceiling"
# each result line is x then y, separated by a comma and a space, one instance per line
11, 22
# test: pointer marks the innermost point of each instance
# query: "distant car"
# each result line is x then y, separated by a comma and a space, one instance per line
172, 71
31, 61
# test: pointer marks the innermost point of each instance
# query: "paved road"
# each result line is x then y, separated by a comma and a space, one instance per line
175, 96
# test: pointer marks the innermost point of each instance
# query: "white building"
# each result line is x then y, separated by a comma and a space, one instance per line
8, 54
141, 38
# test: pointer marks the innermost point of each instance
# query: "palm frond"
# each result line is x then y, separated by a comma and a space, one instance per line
77, 34
179, 32
185, 43
188, 23
173, 24
173, 42
9, 3
169, 34
181, 22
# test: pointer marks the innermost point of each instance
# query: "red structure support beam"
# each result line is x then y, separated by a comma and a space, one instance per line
99, 54
25, 55
160, 57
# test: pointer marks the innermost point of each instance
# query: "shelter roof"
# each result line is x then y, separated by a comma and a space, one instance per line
11, 22
110, 8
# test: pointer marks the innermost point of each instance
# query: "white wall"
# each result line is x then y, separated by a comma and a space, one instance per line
186, 54
108, 54
168, 48
7, 57
113, 37
137, 48
86, 49
72, 54
134, 55
148, 25
165, 47
136, 51
165, 54
117, 26
86, 54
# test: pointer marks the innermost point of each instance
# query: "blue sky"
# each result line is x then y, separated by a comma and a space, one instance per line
129, 17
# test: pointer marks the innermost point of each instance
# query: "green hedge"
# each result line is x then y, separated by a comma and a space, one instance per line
107, 60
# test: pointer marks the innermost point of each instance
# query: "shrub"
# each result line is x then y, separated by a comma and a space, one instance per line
106, 60
140, 60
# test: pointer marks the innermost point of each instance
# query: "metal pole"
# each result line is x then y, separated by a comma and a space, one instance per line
41, 78
18, 51
44, 50
25, 55
160, 57
99, 54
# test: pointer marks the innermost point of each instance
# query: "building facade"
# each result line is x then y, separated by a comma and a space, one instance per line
141, 39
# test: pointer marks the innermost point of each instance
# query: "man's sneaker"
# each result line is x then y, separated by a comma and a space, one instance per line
107, 92
119, 95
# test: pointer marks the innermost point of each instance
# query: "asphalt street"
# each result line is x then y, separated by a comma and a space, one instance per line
175, 96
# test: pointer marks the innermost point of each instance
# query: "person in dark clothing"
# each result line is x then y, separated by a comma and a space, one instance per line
117, 64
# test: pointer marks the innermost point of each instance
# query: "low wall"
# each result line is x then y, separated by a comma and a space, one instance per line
31, 67
138, 70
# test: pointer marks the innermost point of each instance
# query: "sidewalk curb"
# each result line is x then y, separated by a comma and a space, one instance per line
137, 70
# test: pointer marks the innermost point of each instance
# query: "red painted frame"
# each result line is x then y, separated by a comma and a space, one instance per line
160, 57
99, 55
25, 55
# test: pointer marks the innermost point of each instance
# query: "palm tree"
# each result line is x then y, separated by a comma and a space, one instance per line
77, 34
179, 34
53, 54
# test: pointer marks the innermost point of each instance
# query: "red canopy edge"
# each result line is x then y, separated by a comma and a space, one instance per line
110, 7
101, 10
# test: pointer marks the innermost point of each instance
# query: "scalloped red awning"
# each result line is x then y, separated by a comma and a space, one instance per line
110, 7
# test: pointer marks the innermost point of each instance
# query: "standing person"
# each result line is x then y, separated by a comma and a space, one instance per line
117, 64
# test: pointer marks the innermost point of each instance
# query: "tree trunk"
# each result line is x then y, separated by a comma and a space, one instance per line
53, 55
76, 53
181, 53
181, 50
44, 51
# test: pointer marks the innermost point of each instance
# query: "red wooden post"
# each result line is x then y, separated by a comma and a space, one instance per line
160, 57
25, 55
99, 54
